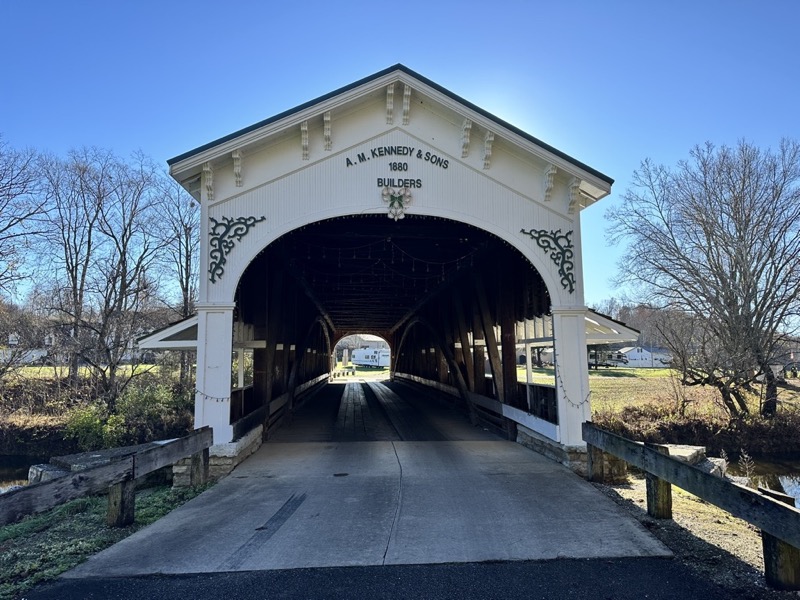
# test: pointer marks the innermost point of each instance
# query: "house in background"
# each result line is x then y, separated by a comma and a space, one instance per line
636, 356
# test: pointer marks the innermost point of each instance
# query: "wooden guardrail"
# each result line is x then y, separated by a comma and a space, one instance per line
769, 511
118, 477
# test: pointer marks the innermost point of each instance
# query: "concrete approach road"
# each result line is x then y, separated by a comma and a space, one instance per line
371, 499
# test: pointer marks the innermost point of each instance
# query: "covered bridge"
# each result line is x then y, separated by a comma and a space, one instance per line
390, 207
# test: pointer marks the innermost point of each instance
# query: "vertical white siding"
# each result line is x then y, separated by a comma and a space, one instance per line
328, 188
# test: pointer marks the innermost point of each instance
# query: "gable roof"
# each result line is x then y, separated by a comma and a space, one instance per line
187, 165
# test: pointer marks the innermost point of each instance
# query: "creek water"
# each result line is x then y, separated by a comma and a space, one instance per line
780, 475
14, 469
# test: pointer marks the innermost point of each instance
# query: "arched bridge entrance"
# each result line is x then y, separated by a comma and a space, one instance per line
390, 207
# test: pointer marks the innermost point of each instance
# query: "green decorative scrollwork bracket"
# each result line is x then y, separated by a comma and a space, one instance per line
561, 252
223, 236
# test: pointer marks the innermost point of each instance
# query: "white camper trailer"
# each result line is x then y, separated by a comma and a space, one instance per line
370, 357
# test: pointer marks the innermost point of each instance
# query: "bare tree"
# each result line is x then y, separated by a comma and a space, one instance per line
122, 287
68, 249
701, 359
718, 238
180, 235
20, 211
101, 245
609, 307
179, 218
645, 318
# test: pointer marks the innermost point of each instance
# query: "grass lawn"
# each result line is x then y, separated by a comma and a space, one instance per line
61, 371
40, 547
350, 373
618, 387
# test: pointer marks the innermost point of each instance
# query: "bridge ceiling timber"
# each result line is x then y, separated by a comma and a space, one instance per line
369, 273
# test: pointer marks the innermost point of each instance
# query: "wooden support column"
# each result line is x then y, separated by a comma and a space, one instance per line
274, 314
260, 374
572, 373
463, 336
508, 364
289, 338
781, 560
448, 340
443, 367
300, 364
491, 340
508, 343
412, 353
659, 492
313, 364
461, 384
278, 384
478, 352
121, 503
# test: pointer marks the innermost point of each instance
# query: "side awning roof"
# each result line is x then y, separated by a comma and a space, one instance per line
600, 329
178, 336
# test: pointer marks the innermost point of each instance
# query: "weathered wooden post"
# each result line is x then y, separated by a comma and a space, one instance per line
781, 560
121, 503
198, 471
659, 492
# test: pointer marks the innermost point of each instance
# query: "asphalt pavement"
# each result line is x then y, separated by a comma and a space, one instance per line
565, 579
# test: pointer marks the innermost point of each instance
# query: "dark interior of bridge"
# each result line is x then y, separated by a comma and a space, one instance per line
370, 274
446, 296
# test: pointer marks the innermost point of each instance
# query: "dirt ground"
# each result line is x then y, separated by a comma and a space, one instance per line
717, 545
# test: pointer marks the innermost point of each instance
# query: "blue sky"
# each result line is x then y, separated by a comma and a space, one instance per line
608, 82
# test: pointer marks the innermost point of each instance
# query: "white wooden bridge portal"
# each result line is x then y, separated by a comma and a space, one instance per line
391, 207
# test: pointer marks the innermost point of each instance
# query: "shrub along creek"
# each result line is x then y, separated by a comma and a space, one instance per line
40, 418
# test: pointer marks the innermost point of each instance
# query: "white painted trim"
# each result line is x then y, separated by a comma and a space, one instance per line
189, 345
215, 306
157, 340
547, 429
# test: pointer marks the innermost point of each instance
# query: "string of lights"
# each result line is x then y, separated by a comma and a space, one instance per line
564, 388
208, 397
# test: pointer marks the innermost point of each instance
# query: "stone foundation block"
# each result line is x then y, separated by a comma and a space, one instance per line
222, 458
573, 457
